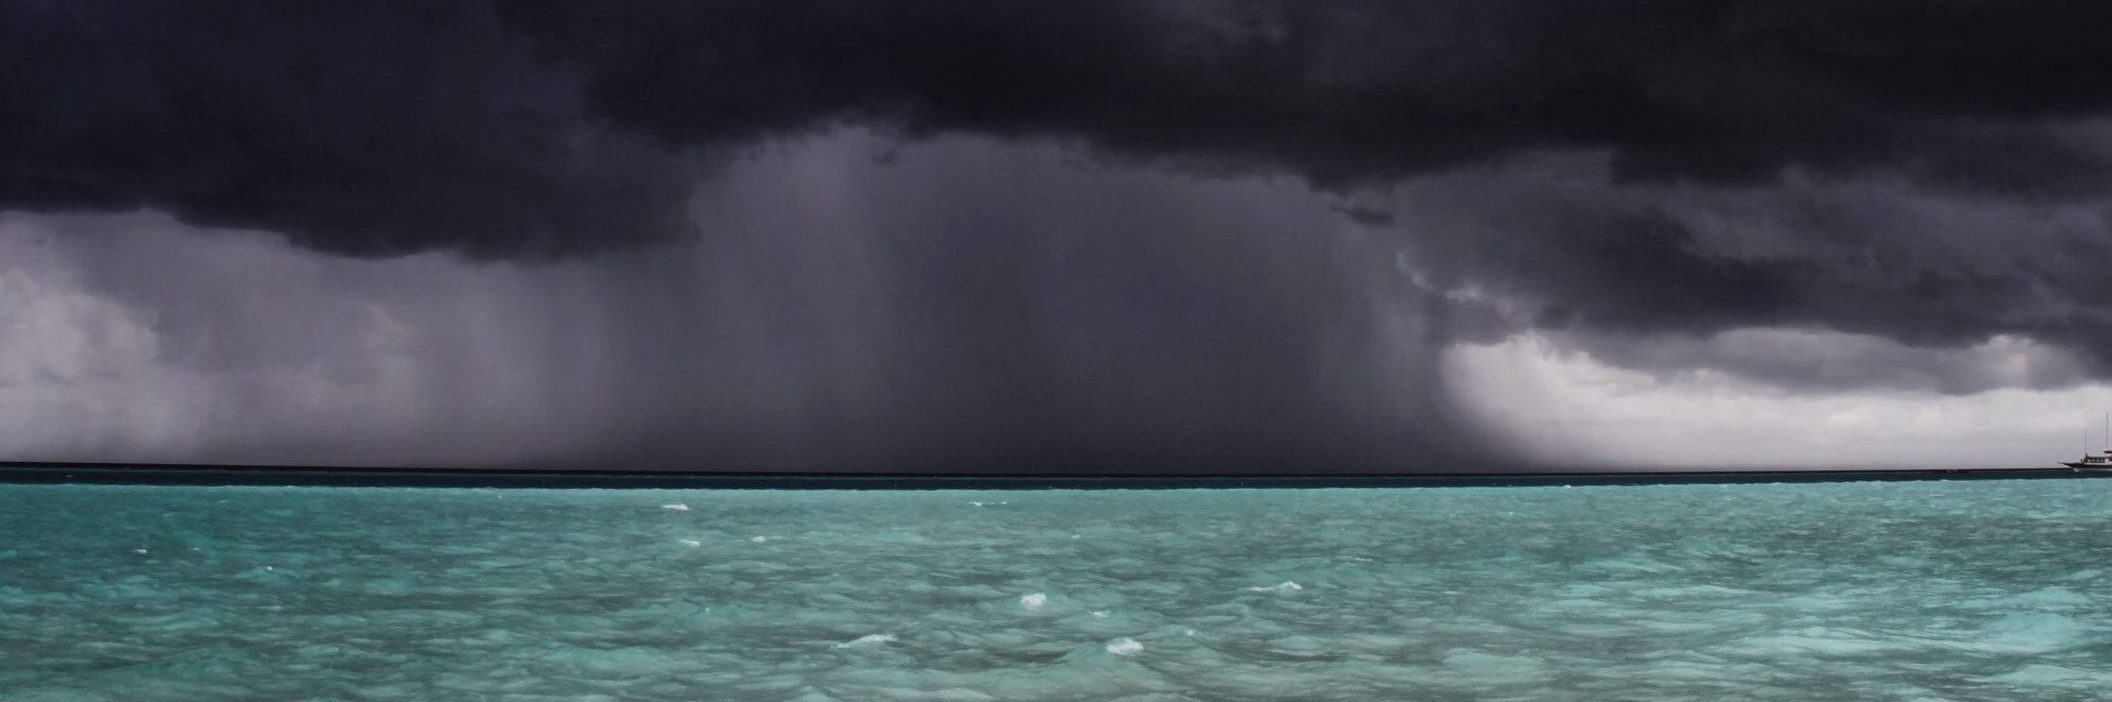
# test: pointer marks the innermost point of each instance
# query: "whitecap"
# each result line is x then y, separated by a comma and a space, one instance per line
675, 507
760, 539
2028, 633
690, 542
1033, 600
1124, 646
868, 640
1285, 586
1100, 613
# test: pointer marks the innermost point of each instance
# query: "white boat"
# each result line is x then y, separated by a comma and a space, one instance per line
2101, 461
2094, 461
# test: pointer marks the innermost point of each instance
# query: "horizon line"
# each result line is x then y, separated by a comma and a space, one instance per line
204, 474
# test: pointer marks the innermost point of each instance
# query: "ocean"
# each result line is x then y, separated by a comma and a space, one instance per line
1925, 591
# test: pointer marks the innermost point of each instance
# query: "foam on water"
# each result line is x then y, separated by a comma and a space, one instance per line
868, 640
1879, 591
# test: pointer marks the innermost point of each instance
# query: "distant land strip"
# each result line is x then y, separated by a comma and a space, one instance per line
199, 474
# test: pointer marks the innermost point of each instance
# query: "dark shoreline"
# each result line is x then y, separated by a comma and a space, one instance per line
183, 474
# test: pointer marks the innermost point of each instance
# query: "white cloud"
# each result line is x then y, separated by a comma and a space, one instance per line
1567, 407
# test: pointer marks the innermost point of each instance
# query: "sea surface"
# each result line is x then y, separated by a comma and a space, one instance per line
1973, 590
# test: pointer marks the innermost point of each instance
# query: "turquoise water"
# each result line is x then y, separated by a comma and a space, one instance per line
1868, 591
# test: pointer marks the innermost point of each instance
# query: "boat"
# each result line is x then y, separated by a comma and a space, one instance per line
2096, 461
2101, 461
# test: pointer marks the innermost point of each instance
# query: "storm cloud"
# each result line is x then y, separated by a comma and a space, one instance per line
371, 130
1573, 250
964, 306
1344, 93
545, 127
1080, 235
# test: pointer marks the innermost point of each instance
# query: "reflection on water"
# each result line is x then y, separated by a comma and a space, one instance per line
1931, 590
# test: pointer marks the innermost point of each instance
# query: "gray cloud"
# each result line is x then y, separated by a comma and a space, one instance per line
974, 305
1628, 266
970, 305
137, 338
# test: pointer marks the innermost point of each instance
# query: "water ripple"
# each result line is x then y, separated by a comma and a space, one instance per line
1980, 590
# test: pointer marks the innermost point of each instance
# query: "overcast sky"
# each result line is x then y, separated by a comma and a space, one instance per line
1100, 235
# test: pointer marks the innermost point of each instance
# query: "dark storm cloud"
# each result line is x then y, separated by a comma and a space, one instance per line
1625, 269
1925, 173
361, 128
396, 126
1346, 92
